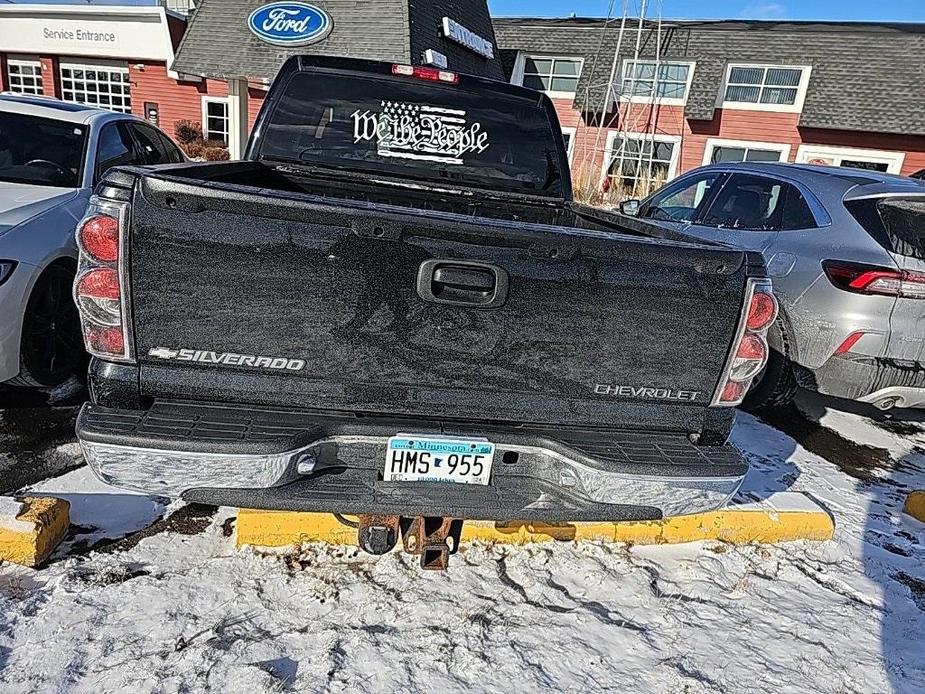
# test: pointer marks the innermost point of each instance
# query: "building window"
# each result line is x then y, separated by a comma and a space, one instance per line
215, 120
766, 87
552, 75
183, 7
638, 163
640, 81
568, 136
852, 158
24, 76
103, 86
723, 151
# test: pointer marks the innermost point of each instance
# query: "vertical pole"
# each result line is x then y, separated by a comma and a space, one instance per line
237, 117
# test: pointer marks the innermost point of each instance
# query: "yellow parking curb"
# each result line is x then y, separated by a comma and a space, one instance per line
30, 528
915, 505
783, 517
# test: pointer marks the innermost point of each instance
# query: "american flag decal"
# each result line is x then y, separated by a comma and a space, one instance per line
419, 131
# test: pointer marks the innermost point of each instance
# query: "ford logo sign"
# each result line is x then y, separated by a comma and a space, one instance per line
290, 23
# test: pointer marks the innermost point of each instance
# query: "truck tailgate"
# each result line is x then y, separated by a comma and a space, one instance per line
250, 296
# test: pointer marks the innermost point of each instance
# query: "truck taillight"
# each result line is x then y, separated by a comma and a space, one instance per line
749, 352
425, 73
99, 238
100, 289
859, 278
99, 296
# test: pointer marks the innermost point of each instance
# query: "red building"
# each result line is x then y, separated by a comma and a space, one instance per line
669, 97
116, 57
680, 94
211, 68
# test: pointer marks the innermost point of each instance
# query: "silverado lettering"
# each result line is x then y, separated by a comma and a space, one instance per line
227, 358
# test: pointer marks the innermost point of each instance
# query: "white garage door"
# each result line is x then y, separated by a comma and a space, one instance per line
97, 83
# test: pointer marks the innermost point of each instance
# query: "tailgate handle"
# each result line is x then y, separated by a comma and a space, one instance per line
462, 283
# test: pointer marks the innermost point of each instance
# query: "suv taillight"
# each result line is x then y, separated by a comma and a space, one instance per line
871, 279
100, 289
750, 350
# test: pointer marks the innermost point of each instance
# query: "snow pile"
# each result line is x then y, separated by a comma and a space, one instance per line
10, 508
183, 612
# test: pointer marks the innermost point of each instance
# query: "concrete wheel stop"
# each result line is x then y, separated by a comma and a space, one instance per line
31, 528
915, 505
782, 517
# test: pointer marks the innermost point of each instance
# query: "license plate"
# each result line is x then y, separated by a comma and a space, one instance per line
411, 458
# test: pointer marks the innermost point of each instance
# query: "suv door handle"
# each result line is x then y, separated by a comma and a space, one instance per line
462, 283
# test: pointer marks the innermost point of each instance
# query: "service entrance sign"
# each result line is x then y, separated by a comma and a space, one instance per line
139, 33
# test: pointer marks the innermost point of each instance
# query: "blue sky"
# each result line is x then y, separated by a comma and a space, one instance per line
881, 10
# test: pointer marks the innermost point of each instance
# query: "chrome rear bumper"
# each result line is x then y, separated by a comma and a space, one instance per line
173, 473
532, 476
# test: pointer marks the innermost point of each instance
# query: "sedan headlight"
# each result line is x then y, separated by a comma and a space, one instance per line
6, 269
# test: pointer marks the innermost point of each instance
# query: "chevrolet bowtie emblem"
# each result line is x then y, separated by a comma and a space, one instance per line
163, 353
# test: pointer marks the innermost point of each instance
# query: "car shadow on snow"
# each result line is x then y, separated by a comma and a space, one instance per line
893, 547
34, 445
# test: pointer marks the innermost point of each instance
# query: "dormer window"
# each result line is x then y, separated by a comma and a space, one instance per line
556, 76
765, 87
670, 86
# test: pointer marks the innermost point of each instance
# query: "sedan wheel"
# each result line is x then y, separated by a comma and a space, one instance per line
52, 349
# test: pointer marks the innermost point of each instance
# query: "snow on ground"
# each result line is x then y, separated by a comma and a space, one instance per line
100, 512
188, 612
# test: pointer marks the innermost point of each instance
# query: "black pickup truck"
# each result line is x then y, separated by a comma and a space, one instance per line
393, 308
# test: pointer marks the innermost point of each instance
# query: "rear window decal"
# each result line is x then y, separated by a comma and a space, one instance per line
420, 131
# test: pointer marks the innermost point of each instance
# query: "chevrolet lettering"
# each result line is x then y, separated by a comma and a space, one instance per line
646, 392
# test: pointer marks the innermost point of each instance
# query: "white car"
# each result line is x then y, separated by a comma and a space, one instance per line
52, 153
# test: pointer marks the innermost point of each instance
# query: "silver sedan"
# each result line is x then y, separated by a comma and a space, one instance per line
845, 249
51, 155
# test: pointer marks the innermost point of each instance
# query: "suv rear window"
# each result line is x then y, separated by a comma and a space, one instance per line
897, 224
413, 128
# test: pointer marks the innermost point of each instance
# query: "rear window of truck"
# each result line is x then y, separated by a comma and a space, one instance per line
413, 128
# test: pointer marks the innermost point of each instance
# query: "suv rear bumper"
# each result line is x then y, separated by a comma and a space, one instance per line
880, 381
332, 462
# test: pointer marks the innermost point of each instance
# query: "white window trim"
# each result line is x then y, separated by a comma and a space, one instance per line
571, 141
517, 75
24, 61
893, 160
206, 100
675, 152
713, 142
662, 100
795, 107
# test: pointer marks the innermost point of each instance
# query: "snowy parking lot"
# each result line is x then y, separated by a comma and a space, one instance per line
125, 605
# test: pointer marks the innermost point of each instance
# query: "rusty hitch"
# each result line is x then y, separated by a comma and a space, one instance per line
432, 537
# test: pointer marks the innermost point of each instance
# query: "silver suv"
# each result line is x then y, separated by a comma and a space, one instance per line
846, 251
